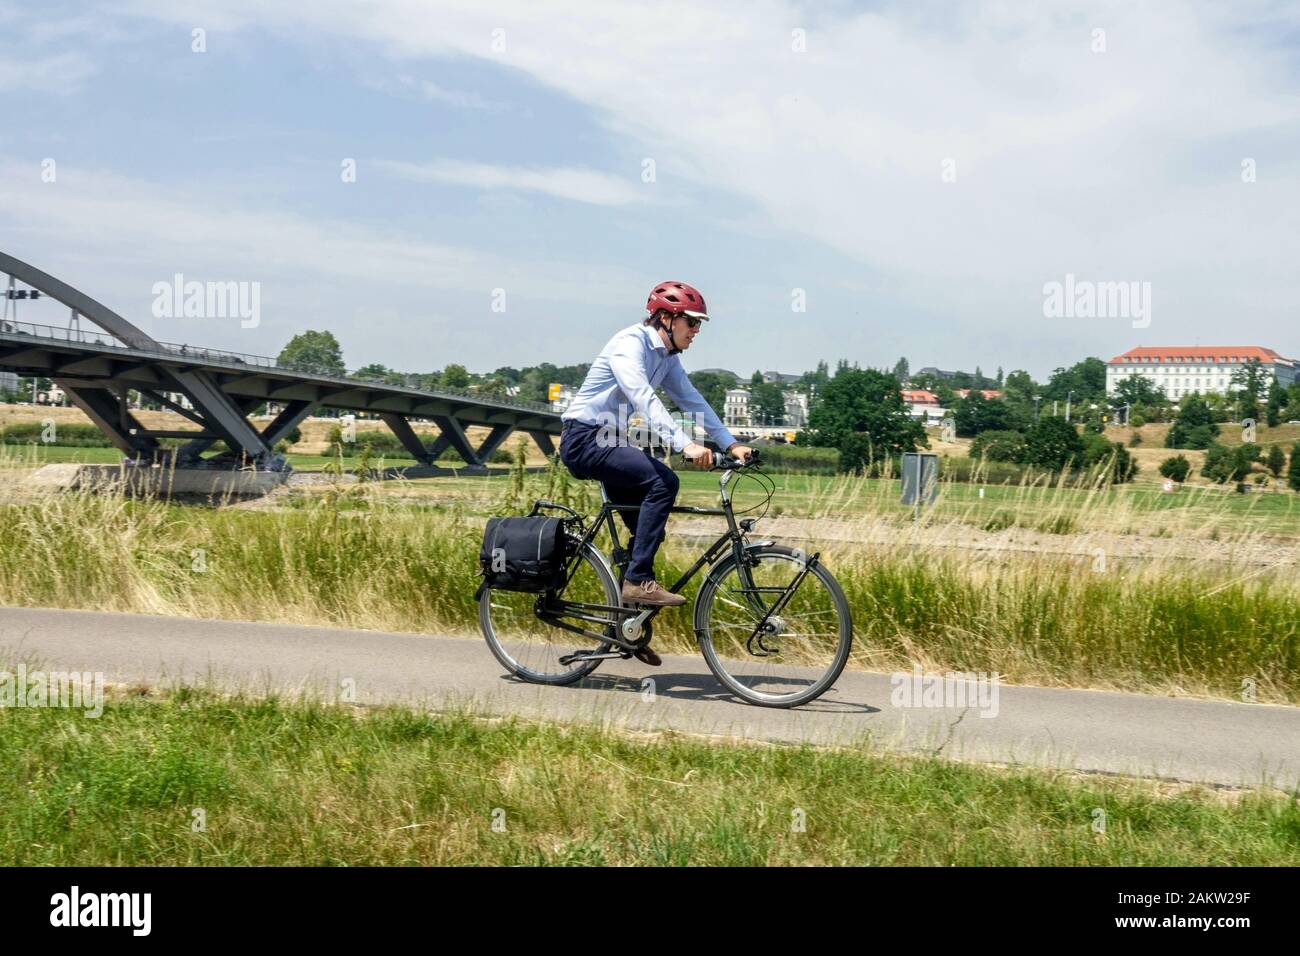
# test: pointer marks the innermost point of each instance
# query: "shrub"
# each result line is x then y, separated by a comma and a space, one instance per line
1276, 460
1176, 468
984, 471
1109, 457
998, 446
1223, 464
797, 459
1051, 444
1194, 427
70, 435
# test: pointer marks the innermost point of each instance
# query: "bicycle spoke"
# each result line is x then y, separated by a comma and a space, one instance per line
806, 650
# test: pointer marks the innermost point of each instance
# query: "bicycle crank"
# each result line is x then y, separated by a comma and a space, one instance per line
577, 656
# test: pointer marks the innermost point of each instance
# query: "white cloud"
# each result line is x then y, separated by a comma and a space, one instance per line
114, 236
1115, 165
60, 73
1122, 165
579, 185
433, 93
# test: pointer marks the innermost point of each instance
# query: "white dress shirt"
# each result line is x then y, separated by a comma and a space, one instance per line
626, 373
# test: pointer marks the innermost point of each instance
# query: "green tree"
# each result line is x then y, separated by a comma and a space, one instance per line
861, 413
901, 370
713, 386
455, 376
1139, 392
1276, 401
998, 446
1223, 464
767, 402
1114, 458
1293, 469
1194, 427
1086, 380
817, 379
494, 387
975, 414
313, 351
1052, 443
1250, 380
1176, 468
1276, 460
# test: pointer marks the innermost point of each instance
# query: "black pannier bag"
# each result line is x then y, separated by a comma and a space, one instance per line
523, 553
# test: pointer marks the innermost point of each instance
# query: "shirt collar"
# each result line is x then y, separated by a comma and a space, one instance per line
652, 335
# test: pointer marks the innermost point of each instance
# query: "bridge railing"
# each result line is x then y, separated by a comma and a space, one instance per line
173, 350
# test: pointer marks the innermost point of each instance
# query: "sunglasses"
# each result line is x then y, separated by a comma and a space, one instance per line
692, 321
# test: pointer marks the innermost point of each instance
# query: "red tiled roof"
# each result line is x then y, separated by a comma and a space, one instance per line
986, 392
1156, 354
919, 396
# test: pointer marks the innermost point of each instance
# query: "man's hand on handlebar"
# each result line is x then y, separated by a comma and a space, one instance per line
698, 455
702, 457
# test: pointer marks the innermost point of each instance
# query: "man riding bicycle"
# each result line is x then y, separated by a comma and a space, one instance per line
594, 443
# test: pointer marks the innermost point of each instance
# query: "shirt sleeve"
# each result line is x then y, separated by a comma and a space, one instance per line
688, 397
628, 365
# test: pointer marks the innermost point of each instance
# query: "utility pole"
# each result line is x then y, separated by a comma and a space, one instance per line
1068, 395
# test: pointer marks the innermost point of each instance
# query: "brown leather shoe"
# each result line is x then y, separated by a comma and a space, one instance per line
650, 594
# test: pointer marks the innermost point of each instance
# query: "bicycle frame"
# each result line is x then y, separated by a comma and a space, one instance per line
550, 607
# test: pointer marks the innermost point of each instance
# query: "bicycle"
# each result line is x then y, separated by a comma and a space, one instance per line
772, 622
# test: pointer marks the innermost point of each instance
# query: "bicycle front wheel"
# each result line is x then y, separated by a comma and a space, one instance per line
802, 648
529, 647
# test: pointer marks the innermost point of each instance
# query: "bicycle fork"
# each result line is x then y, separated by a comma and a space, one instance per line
774, 629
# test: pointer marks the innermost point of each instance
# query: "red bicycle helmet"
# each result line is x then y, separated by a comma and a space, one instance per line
677, 298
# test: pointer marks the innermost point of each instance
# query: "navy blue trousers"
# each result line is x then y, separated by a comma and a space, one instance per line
630, 477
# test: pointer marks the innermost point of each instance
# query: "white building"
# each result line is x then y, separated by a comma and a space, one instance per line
737, 412
796, 410
1182, 370
736, 408
924, 405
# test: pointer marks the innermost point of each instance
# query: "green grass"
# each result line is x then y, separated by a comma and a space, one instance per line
362, 560
1142, 508
290, 783
33, 455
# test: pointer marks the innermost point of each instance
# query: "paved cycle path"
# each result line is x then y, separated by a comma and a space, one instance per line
1219, 742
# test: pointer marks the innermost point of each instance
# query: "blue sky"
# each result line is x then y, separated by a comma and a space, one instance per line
518, 165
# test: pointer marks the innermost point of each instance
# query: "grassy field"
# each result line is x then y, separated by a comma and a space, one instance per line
358, 556
290, 783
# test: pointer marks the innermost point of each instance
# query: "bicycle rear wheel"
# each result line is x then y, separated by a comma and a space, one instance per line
804, 646
530, 648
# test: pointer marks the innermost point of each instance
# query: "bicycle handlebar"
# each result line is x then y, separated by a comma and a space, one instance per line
725, 463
